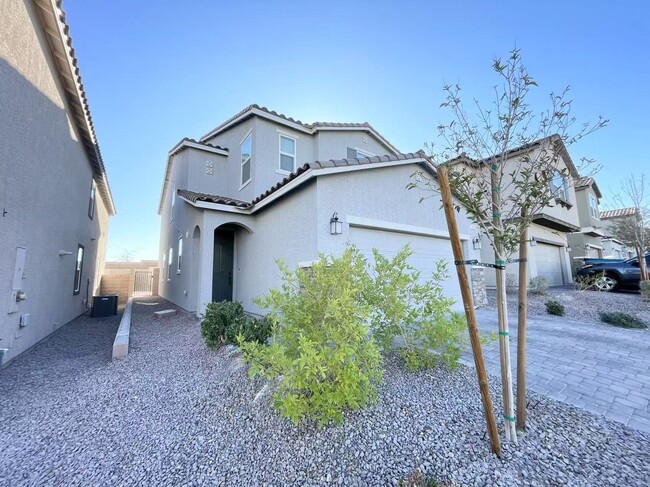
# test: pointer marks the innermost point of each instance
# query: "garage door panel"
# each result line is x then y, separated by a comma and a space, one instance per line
426, 252
549, 263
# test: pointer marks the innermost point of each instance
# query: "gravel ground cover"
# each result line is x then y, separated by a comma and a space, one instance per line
176, 413
582, 306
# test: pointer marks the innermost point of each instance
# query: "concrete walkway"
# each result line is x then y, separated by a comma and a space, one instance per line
600, 368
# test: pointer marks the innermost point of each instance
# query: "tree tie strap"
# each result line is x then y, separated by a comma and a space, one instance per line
504, 333
509, 418
498, 265
494, 167
511, 261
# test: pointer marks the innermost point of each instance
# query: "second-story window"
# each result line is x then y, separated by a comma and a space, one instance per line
170, 259
559, 187
91, 201
180, 255
246, 154
287, 154
593, 207
357, 153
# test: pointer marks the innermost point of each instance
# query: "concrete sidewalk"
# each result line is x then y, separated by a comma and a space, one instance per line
597, 367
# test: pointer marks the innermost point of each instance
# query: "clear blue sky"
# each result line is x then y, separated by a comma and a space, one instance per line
155, 72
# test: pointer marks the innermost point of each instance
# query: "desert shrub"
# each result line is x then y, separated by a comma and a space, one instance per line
417, 479
538, 285
644, 287
322, 355
417, 312
225, 322
554, 308
623, 320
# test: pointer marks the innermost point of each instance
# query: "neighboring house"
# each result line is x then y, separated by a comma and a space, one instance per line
611, 246
55, 201
548, 255
587, 242
128, 279
262, 187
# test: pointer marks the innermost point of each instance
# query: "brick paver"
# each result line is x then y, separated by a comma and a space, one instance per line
600, 368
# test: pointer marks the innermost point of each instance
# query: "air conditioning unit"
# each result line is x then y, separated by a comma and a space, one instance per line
104, 306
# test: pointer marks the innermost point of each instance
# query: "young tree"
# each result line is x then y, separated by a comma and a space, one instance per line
634, 230
506, 163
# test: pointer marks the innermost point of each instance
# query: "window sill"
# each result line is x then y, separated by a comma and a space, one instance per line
178, 273
283, 172
563, 203
245, 184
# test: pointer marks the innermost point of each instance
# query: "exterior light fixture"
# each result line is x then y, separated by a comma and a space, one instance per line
568, 248
476, 242
336, 226
587, 247
533, 241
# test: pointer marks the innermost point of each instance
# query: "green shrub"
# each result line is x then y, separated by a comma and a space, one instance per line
225, 322
416, 311
538, 285
623, 320
322, 355
644, 287
554, 308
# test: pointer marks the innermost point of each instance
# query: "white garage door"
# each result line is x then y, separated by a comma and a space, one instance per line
549, 263
426, 252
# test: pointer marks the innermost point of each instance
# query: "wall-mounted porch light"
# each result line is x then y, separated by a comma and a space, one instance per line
533, 241
567, 248
587, 247
476, 242
336, 226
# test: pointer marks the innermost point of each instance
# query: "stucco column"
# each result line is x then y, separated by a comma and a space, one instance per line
205, 273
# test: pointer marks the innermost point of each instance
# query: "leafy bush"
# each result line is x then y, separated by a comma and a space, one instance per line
623, 320
225, 322
554, 308
644, 287
417, 312
538, 285
322, 355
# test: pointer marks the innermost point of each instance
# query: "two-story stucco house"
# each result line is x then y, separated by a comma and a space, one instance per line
262, 187
587, 242
612, 247
55, 200
549, 249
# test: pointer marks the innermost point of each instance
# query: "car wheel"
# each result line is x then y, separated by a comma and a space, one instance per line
606, 284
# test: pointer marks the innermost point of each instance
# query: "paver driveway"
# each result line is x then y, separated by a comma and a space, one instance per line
601, 368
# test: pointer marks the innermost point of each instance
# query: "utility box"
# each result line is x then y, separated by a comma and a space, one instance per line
104, 306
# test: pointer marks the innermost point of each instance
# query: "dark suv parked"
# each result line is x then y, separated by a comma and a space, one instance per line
616, 274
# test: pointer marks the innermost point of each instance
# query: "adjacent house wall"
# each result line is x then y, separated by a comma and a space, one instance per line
44, 188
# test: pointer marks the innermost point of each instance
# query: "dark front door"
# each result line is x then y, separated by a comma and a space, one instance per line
224, 244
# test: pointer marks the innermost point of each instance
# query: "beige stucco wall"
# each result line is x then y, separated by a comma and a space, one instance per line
44, 188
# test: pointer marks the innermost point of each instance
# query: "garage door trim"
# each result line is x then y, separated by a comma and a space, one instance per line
372, 224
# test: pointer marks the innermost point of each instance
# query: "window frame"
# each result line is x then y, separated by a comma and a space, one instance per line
78, 270
170, 259
564, 195
179, 256
282, 153
249, 160
593, 210
363, 152
91, 200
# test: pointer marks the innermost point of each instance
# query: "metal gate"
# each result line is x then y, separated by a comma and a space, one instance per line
143, 282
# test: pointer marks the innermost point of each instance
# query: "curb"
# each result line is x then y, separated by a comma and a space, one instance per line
121, 343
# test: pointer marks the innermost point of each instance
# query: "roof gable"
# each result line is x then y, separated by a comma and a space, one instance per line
263, 112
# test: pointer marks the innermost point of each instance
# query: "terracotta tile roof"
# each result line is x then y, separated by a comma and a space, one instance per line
311, 127
179, 147
211, 198
586, 182
619, 212
53, 20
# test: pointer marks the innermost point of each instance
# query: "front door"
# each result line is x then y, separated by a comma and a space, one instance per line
224, 245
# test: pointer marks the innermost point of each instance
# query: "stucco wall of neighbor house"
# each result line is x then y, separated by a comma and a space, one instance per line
44, 188
232, 139
578, 242
208, 172
283, 231
582, 202
334, 144
541, 234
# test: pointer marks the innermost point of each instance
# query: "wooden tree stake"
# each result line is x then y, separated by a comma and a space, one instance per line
468, 304
521, 331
